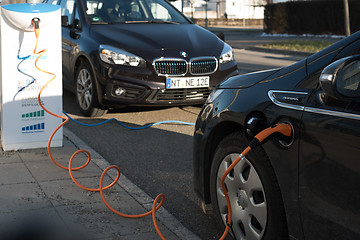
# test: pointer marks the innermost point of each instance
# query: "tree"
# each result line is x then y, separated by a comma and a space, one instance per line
347, 18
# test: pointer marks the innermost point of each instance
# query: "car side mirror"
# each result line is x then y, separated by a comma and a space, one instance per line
64, 21
341, 79
221, 35
77, 24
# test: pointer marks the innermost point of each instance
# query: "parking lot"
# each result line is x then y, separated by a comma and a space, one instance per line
159, 159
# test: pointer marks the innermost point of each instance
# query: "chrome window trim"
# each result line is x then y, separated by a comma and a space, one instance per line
310, 109
332, 113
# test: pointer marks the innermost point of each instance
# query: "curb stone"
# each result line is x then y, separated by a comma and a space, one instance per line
166, 218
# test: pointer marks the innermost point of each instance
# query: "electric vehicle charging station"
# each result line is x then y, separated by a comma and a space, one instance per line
24, 124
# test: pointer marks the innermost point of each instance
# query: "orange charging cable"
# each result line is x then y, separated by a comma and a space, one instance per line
160, 197
282, 128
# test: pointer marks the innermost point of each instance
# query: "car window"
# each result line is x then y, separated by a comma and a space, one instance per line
53, 2
158, 11
132, 11
352, 49
67, 8
348, 83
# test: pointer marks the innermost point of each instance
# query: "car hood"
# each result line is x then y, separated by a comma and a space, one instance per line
247, 80
141, 38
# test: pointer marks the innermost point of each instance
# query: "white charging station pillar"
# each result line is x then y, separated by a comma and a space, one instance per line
24, 124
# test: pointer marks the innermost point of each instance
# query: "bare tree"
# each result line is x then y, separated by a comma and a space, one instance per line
347, 18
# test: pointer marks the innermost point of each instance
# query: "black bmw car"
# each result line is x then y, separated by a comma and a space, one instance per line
301, 187
138, 52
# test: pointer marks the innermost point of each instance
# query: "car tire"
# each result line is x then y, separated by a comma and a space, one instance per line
85, 89
257, 209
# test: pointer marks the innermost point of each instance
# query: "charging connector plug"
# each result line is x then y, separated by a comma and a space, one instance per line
283, 128
35, 22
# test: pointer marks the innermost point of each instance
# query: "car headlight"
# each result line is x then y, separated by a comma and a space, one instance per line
114, 55
226, 54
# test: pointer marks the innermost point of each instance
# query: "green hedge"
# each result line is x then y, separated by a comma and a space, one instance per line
310, 17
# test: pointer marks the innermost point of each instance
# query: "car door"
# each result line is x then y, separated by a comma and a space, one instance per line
70, 34
329, 167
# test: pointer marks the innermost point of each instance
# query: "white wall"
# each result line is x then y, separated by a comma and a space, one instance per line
234, 8
177, 4
248, 9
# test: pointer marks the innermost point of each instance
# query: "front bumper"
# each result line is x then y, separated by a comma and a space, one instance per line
142, 86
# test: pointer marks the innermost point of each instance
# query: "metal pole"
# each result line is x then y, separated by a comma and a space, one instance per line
192, 10
347, 18
206, 19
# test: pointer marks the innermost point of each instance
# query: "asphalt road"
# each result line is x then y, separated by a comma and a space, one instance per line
251, 61
159, 159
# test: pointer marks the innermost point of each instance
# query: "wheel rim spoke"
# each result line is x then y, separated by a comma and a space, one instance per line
250, 232
253, 182
239, 234
258, 211
87, 99
84, 89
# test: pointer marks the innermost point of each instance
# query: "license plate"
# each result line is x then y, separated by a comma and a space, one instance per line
187, 82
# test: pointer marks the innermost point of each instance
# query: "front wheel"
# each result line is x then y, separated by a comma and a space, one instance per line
256, 203
86, 95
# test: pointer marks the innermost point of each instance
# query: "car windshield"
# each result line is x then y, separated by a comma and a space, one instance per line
132, 11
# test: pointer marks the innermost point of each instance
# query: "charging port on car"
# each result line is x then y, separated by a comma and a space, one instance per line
286, 141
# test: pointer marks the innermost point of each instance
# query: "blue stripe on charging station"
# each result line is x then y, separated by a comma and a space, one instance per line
31, 7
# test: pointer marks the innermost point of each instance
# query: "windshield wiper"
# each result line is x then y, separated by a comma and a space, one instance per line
100, 23
152, 21
106, 23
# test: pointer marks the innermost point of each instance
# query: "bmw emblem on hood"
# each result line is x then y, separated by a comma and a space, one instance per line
184, 54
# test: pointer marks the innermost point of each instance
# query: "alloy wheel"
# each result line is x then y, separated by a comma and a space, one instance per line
84, 89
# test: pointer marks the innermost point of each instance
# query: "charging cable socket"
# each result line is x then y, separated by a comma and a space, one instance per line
35, 22
286, 141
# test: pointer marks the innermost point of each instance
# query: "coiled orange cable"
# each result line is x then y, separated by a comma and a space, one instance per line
285, 129
161, 196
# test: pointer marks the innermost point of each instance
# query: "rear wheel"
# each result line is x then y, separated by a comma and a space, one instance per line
86, 95
257, 210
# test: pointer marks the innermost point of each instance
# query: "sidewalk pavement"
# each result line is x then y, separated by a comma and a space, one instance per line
275, 37
40, 201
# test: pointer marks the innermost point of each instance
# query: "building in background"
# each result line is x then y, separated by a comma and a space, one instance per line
231, 9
